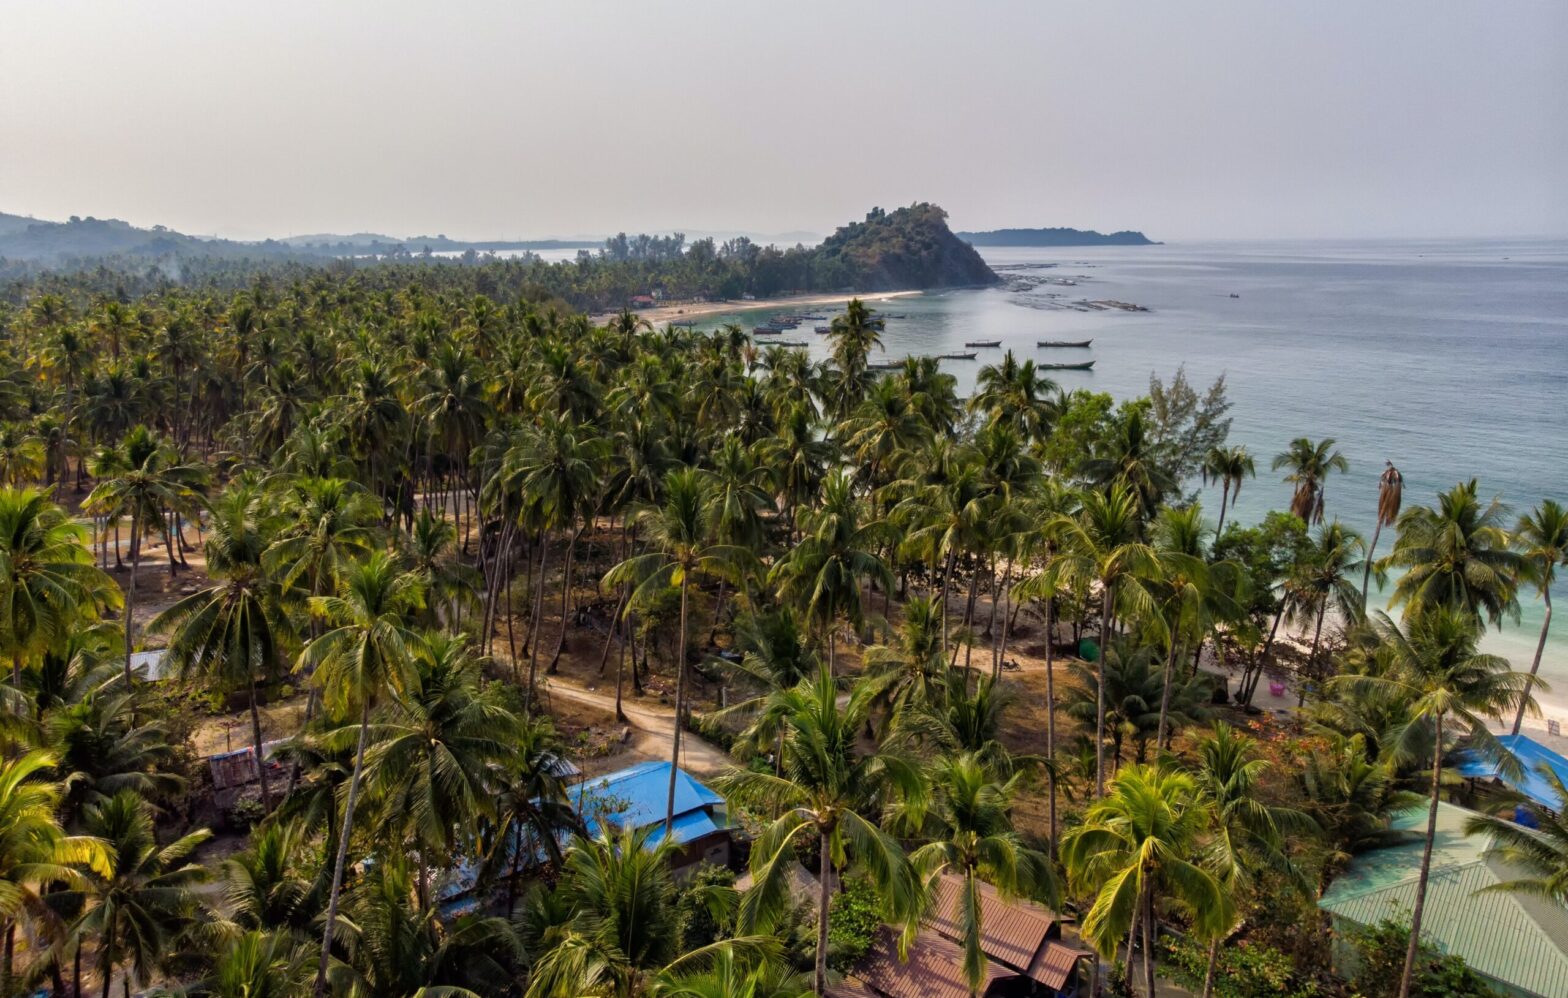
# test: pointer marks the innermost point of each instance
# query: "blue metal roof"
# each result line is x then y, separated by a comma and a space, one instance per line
637, 795
1532, 755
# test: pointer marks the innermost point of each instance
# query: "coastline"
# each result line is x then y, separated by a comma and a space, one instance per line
696, 310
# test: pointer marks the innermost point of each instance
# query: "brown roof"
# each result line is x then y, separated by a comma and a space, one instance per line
934, 969
1054, 964
1012, 933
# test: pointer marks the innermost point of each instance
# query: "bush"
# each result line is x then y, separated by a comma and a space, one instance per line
1243, 970
854, 915
695, 924
1381, 962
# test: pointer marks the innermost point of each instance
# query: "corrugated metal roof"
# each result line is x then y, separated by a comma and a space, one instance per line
934, 968
636, 796
1011, 932
1054, 964
1518, 941
1532, 755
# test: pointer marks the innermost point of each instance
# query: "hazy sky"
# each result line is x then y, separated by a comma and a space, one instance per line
531, 118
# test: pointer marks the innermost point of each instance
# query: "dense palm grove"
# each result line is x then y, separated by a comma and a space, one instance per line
413, 506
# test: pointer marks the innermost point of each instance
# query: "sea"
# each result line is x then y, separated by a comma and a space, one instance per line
1447, 357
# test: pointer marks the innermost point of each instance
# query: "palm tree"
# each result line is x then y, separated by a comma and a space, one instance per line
235, 631
268, 886
149, 485
1016, 394
1310, 464
35, 852
1134, 850
823, 573
1446, 679
1538, 847
911, 674
327, 523
1542, 536
855, 333
257, 964
366, 655
776, 655
48, 583
827, 786
1457, 555
969, 827
680, 531
1228, 466
1322, 581
438, 748
1102, 546
1390, 496
145, 899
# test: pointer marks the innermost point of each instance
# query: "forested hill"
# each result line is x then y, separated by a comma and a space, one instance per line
907, 248
1056, 237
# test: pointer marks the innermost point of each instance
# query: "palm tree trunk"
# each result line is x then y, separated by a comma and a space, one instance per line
1535, 666
566, 590
625, 625
609, 632
1150, 931
1219, 528
1208, 975
1165, 695
825, 876
130, 593
680, 702
1312, 656
1413, 950
255, 740
1050, 713
947, 573
535, 624
1099, 695
107, 962
1366, 571
996, 601
342, 857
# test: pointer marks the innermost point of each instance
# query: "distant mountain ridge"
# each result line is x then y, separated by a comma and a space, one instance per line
1056, 237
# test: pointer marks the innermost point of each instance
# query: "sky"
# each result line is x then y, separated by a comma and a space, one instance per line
537, 118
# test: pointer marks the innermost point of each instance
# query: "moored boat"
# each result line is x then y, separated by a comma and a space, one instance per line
823, 330
986, 344
1087, 365
767, 330
1064, 343
955, 356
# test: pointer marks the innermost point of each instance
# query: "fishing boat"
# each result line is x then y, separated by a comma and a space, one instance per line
767, 330
1087, 365
886, 365
955, 356
890, 315
1235, 295
986, 344
788, 343
1064, 343
823, 330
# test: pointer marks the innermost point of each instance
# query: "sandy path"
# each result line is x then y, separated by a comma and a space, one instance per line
696, 310
652, 728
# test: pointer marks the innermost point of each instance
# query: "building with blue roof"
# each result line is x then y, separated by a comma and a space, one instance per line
636, 797
1534, 758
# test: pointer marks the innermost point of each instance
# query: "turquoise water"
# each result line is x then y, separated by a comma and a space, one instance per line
1449, 358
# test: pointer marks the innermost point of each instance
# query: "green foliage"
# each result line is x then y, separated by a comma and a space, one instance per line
854, 915
1381, 960
695, 922
1242, 970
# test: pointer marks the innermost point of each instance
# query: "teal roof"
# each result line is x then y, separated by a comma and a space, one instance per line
637, 796
1520, 941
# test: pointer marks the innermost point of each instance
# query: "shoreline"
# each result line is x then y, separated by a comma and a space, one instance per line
697, 310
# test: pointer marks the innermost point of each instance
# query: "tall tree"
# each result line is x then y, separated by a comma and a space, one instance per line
1309, 464
1542, 537
1457, 554
1228, 466
1390, 496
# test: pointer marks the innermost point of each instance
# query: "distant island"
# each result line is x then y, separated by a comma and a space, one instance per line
1056, 237
908, 248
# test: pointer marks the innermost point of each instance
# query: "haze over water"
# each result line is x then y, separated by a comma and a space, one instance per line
1449, 358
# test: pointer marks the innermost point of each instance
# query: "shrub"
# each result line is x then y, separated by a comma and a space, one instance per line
695, 907
1242, 970
854, 915
1381, 962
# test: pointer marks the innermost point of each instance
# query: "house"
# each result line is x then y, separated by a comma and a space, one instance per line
232, 772
642, 301
1022, 942
1533, 757
1519, 943
636, 797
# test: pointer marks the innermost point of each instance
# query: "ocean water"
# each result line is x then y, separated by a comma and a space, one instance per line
1449, 358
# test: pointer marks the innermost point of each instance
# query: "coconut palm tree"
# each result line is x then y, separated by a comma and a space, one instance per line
270, 886
1136, 850
823, 574
1390, 496
1447, 681
233, 635
1459, 555
1538, 847
1016, 394
1310, 463
1228, 466
1102, 546
150, 484
35, 851
911, 674
364, 657
680, 533
257, 964
140, 905
1542, 537
1322, 581
776, 655
827, 787
968, 827
48, 583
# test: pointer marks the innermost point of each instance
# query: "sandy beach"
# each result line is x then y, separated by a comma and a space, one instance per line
696, 310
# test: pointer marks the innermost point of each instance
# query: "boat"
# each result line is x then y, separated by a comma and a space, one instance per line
1087, 365
955, 356
788, 343
1234, 295
886, 365
1064, 343
823, 330
987, 344
890, 315
767, 330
